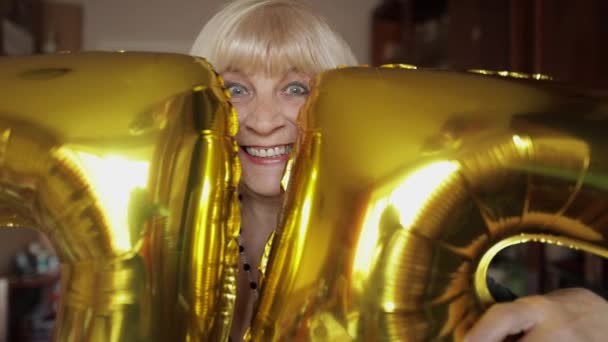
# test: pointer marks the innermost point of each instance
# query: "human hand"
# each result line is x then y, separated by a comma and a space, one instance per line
563, 315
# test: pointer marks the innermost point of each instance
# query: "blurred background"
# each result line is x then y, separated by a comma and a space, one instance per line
562, 38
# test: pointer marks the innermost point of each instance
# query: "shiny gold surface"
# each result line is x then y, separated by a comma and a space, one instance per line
127, 162
511, 74
405, 183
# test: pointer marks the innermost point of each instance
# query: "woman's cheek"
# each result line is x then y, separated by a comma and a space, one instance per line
295, 106
241, 110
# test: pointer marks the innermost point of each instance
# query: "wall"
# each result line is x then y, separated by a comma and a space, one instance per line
167, 25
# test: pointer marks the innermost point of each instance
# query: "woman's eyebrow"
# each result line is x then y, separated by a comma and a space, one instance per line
231, 76
231, 73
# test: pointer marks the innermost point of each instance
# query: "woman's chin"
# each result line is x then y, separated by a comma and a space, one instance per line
266, 188
263, 181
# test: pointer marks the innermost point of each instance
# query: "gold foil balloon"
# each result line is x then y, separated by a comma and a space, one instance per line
405, 183
127, 162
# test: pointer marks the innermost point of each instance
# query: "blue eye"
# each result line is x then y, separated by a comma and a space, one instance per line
296, 89
236, 89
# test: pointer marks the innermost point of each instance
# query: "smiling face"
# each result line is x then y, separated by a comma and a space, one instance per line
267, 108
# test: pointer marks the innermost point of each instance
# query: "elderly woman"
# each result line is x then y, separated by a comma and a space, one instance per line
267, 51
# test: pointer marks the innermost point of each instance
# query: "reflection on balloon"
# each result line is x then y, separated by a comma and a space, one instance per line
127, 162
404, 184
114, 179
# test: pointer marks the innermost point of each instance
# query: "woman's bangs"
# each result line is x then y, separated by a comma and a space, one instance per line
275, 47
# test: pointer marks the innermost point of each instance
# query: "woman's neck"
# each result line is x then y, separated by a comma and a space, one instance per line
259, 218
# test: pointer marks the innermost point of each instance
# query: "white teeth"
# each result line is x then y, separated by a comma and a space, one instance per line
268, 152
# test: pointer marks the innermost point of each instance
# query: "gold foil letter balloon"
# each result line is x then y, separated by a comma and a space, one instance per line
404, 184
127, 162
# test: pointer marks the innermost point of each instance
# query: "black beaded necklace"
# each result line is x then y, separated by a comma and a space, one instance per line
253, 284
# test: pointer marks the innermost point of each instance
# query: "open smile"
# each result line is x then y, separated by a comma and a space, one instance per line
272, 152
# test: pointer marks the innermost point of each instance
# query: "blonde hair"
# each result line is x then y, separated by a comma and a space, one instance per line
273, 36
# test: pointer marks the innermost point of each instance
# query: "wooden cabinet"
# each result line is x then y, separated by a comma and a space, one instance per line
479, 35
62, 26
20, 27
561, 38
36, 26
572, 39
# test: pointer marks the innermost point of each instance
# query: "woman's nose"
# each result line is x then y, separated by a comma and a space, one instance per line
265, 117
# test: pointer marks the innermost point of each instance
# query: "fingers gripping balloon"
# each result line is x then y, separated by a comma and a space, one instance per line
404, 184
127, 163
